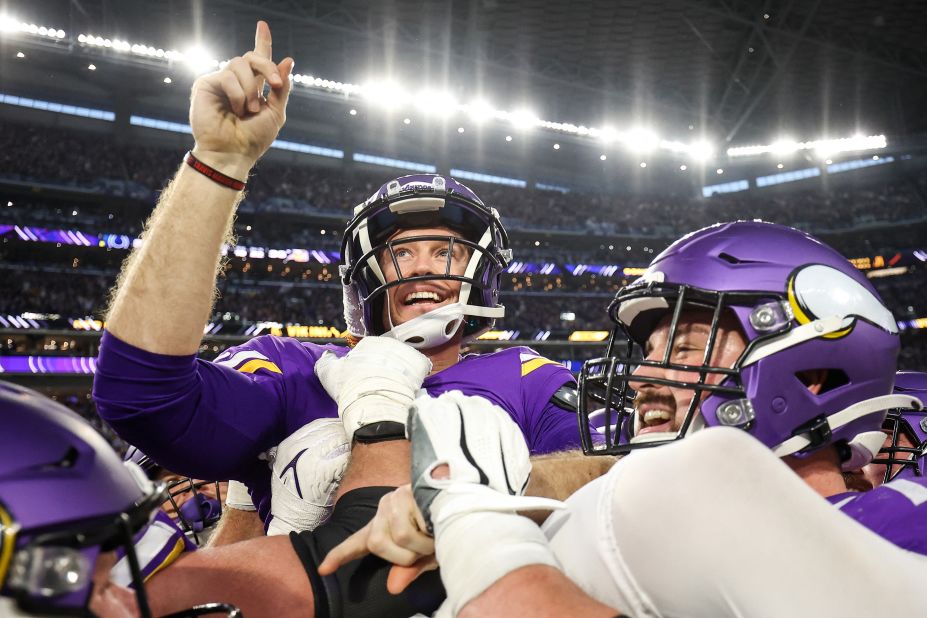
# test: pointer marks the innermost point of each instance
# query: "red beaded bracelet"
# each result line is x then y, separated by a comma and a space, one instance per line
212, 173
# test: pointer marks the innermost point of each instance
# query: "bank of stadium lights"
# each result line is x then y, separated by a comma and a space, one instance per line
11, 25
823, 148
199, 59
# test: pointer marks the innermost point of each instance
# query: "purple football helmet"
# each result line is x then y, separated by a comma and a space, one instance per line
199, 513
800, 306
65, 499
421, 201
911, 423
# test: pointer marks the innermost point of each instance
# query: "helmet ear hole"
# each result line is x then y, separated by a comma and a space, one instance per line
449, 328
821, 381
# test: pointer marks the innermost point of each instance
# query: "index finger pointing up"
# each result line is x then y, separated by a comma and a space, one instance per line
262, 40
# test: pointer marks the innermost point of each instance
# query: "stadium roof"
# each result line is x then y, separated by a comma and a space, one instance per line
743, 70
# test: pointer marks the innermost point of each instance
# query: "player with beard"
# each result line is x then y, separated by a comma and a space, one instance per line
760, 363
422, 262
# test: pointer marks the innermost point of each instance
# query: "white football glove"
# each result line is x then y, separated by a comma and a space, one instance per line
478, 536
376, 381
307, 468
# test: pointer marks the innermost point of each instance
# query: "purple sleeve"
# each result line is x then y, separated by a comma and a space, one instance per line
194, 417
549, 428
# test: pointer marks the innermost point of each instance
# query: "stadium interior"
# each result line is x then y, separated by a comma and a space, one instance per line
601, 131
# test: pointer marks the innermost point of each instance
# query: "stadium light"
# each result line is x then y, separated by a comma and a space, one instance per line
391, 95
436, 103
11, 25
609, 135
200, 60
823, 147
641, 140
479, 110
524, 119
385, 93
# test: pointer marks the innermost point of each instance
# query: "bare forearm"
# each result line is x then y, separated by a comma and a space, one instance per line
167, 286
558, 475
236, 525
538, 591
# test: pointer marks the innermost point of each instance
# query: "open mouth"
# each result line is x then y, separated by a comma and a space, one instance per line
655, 420
422, 298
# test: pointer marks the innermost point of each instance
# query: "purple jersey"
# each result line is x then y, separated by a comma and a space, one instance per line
896, 511
214, 420
157, 545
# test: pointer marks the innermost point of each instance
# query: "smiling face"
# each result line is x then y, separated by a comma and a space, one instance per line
662, 408
416, 258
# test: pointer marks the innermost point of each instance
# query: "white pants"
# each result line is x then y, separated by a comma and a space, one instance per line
715, 525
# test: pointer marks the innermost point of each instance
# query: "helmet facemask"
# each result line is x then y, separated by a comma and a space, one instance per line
370, 243
905, 451
610, 393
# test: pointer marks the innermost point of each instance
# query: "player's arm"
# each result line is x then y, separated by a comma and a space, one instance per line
536, 590
167, 286
239, 520
558, 475
262, 577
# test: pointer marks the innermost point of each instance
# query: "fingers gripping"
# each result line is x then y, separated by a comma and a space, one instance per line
476, 438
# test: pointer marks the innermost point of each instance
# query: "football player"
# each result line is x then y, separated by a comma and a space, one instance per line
77, 525
905, 446
193, 505
422, 264
774, 358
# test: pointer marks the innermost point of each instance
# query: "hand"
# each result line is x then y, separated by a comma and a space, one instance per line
396, 534
484, 450
307, 469
233, 124
376, 381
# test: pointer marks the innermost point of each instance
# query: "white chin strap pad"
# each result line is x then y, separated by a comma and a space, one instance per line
437, 327
430, 329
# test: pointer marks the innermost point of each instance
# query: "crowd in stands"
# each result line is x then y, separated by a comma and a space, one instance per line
99, 163
301, 206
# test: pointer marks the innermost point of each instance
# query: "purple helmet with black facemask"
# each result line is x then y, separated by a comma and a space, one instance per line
802, 308
65, 498
199, 513
907, 428
423, 201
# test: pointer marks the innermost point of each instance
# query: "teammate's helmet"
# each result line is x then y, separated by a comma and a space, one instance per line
911, 423
417, 201
801, 307
65, 497
193, 510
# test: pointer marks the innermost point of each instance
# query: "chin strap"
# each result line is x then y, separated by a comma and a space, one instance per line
863, 445
437, 327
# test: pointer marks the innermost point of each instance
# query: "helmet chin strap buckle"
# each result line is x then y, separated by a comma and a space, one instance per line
430, 330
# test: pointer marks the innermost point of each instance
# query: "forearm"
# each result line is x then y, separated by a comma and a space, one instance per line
236, 525
166, 289
558, 475
383, 464
535, 590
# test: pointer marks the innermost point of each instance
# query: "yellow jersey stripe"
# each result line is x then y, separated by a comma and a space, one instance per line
175, 553
7, 542
529, 366
253, 365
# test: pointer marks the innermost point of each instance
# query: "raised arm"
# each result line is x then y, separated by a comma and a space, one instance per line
167, 286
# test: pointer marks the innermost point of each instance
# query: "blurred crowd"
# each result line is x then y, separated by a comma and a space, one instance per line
113, 186
97, 163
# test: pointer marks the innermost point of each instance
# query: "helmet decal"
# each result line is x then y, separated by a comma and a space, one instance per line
817, 291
